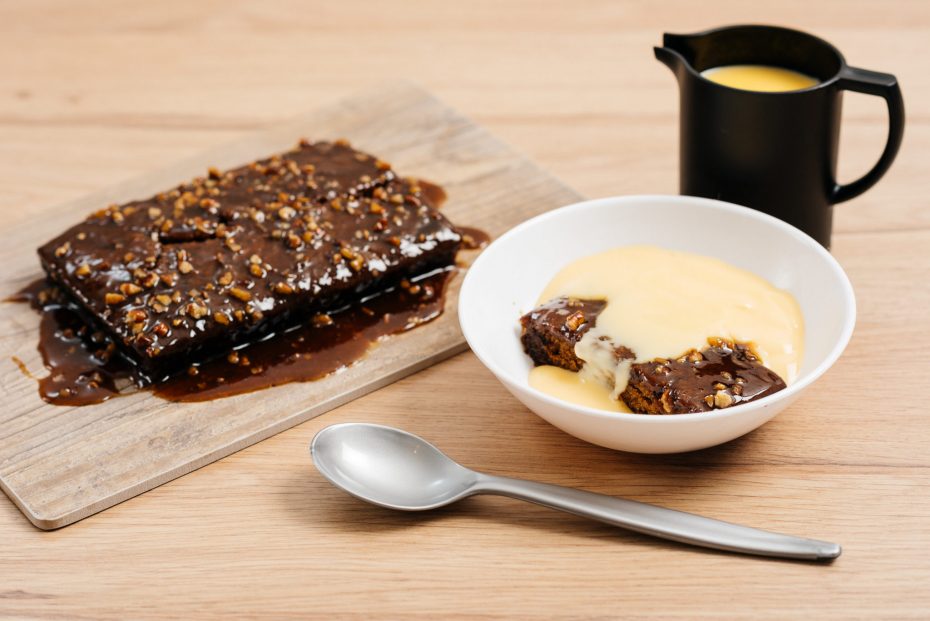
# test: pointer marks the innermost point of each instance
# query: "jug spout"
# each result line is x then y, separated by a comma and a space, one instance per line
674, 51
670, 58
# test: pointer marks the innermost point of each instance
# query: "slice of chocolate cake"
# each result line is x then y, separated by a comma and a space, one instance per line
722, 375
551, 330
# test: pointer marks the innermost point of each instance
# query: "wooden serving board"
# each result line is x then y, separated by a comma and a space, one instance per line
62, 464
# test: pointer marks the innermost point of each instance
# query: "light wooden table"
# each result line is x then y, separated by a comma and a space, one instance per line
94, 92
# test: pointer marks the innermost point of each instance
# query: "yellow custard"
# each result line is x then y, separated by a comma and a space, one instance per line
660, 304
760, 78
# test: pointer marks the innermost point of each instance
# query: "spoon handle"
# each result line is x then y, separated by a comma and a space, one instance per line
658, 521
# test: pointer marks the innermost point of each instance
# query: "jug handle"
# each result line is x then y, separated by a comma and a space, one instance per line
882, 85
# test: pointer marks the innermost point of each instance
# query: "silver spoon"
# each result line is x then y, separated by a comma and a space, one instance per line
398, 470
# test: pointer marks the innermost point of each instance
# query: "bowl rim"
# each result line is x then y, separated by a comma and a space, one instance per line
794, 389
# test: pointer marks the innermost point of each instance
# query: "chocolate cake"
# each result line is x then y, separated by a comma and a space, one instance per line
722, 375
234, 256
551, 330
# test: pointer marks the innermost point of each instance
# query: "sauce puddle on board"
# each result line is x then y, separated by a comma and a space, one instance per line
85, 368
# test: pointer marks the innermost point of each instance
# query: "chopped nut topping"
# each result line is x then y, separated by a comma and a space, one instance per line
149, 280
256, 270
575, 320
128, 288
225, 279
283, 288
240, 294
287, 213
196, 310
347, 252
214, 172
322, 319
185, 267
722, 399
114, 298
221, 318
137, 315
163, 298
63, 249
154, 213
82, 270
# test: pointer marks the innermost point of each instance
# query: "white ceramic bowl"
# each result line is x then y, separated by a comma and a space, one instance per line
504, 282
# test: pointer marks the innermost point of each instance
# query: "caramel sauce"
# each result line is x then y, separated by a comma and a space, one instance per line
84, 367
472, 238
311, 350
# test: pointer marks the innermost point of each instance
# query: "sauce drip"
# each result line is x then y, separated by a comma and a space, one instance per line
472, 238
84, 367
312, 350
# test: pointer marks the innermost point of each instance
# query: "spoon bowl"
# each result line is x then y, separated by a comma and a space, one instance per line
389, 467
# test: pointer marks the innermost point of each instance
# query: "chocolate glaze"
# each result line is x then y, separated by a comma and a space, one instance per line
311, 351
472, 238
235, 256
85, 367
82, 364
551, 330
720, 376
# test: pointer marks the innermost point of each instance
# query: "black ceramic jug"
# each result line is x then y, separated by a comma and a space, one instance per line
773, 151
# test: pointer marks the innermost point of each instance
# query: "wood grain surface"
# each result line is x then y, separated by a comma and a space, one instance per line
61, 464
94, 93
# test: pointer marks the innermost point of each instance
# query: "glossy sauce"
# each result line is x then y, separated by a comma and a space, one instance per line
84, 367
472, 238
